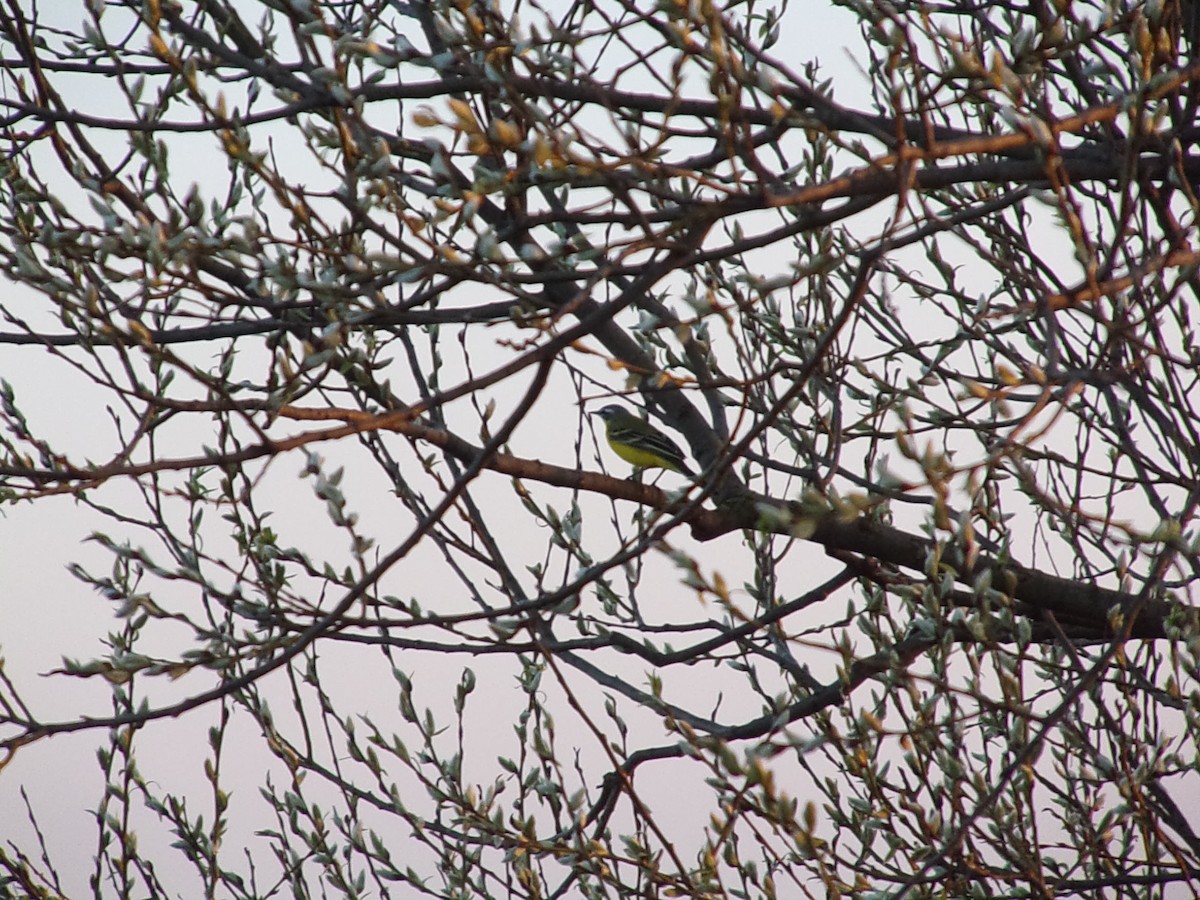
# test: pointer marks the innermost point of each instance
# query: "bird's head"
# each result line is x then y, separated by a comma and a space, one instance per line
612, 411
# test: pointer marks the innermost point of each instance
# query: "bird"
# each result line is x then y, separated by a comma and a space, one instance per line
639, 442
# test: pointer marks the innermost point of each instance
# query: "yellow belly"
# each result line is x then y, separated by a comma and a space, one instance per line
643, 459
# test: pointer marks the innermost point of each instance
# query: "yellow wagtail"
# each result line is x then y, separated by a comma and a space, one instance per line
639, 442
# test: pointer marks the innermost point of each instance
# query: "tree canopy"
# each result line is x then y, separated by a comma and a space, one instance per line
329, 585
